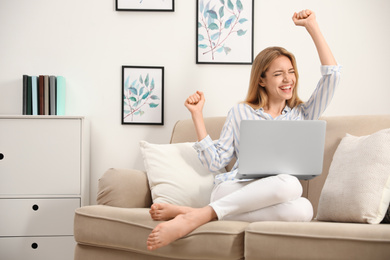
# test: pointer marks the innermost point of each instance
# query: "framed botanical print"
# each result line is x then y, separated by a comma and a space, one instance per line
145, 5
224, 32
142, 95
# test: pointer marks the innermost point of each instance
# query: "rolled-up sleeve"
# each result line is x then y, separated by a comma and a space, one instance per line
323, 94
215, 155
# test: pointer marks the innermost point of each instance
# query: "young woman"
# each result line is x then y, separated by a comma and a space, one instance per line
272, 95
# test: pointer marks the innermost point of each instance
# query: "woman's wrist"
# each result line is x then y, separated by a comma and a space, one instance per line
312, 27
197, 114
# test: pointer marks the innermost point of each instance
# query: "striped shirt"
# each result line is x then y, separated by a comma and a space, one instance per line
216, 155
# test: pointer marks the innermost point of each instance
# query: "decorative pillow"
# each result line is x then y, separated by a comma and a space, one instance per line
176, 175
357, 188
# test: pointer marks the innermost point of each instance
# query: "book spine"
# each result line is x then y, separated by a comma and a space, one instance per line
25, 78
34, 81
46, 90
41, 96
29, 96
53, 98
61, 91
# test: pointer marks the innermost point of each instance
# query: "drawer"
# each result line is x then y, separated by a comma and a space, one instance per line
37, 217
31, 248
40, 156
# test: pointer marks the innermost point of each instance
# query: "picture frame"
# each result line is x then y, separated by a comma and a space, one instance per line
142, 95
224, 33
145, 5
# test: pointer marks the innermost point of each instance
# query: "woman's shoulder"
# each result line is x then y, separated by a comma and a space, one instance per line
240, 111
240, 107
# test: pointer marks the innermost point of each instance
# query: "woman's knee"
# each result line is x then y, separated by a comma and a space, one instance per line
301, 211
290, 187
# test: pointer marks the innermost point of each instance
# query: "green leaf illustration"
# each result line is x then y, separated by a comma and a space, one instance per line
154, 97
213, 26
153, 105
133, 99
222, 1
152, 85
140, 79
133, 83
242, 20
200, 37
134, 91
239, 5
230, 5
220, 49
146, 95
141, 91
147, 80
221, 11
202, 46
199, 25
139, 112
127, 82
241, 32
206, 9
227, 50
228, 23
212, 14
215, 36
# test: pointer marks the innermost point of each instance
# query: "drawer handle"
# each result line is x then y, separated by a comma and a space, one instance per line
1, 156
35, 207
34, 245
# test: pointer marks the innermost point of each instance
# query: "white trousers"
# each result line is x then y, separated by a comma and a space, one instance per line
275, 198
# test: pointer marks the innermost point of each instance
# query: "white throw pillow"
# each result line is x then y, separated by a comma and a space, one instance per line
176, 175
357, 188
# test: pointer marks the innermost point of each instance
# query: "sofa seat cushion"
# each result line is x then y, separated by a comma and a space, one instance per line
128, 228
316, 240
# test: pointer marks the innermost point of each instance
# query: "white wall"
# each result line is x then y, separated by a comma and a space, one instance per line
87, 42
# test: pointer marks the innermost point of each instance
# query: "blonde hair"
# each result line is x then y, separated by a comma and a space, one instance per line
257, 96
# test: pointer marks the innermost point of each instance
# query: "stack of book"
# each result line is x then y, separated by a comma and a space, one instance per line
43, 95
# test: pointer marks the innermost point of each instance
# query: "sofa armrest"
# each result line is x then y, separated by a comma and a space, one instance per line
124, 188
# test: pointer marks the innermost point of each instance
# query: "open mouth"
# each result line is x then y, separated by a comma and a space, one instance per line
286, 88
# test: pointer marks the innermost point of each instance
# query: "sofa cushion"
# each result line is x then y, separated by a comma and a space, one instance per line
128, 230
124, 188
316, 240
176, 175
358, 185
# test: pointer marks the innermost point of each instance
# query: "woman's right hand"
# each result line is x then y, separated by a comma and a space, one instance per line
304, 18
195, 102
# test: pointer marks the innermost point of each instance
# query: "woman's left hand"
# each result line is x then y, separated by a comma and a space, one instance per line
304, 17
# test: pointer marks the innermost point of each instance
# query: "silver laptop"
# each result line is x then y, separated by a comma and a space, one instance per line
281, 147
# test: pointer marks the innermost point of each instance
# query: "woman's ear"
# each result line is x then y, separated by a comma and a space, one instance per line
261, 82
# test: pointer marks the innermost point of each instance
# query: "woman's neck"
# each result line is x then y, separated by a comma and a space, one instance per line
274, 109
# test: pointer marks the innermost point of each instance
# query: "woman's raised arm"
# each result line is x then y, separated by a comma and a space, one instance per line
194, 104
307, 19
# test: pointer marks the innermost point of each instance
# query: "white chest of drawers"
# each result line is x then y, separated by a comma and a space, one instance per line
44, 177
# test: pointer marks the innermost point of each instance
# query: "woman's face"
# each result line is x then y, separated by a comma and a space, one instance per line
279, 80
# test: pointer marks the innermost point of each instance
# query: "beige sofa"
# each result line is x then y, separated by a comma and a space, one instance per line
117, 228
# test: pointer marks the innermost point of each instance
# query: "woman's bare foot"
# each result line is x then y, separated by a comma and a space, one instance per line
164, 211
183, 224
